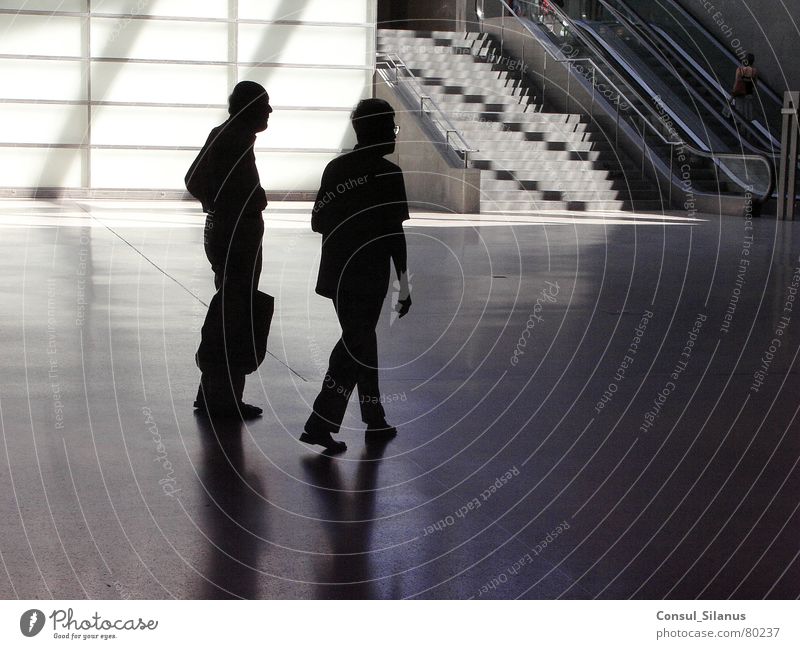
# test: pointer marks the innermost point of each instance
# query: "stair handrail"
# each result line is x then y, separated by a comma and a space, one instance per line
395, 63
716, 158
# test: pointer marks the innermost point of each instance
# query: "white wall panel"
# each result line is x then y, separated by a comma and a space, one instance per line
43, 123
131, 169
183, 8
140, 31
344, 11
167, 83
153, 126
159, 39
40, 167
40, 35
61, 80
291, 171
306, 44
45, 5
312, 87
308, 129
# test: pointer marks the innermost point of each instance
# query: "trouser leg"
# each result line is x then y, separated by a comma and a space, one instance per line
220, 390
365, 353
353, 361
236, 259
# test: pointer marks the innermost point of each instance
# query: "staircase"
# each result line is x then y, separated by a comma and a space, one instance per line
530, 160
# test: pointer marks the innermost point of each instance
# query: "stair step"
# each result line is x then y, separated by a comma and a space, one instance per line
521, 157
532, 130
528, 159
568, 195
560, 185
490, 207
542, 163
428, 34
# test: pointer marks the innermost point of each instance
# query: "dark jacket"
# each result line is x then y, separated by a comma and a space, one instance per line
224, 177
360, 209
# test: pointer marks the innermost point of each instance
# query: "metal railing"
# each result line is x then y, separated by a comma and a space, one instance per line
638, 27
742, 169
395, 72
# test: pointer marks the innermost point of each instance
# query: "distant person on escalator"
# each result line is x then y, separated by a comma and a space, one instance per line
744, 87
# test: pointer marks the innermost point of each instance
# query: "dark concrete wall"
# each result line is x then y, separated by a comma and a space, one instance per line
768, 28
418, 14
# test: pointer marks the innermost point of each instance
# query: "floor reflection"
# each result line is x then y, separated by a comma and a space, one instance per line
235, 518
347, 568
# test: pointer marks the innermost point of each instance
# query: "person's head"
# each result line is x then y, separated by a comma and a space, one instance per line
749, 59
249, 105
373, 122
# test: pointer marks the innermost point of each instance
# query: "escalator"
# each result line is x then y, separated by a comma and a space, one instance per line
667, 78
692, 48
673, 98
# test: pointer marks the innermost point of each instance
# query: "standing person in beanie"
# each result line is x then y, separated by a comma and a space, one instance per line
360, 210
745, 86
225, 179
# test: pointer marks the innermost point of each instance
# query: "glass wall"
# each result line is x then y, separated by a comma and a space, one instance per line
120, 94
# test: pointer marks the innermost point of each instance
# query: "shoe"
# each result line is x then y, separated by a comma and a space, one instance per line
243, 411
379, 431
323, 438
249, 411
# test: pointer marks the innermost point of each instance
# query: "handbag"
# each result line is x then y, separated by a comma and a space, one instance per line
235, 331
739, 88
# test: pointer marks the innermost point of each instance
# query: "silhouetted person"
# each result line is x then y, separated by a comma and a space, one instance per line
225, 179
745, 86
360, 209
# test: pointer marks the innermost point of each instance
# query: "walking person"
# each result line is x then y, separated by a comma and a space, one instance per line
360, 209
225, 179
744, 87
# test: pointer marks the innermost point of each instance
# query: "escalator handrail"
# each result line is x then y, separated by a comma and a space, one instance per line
697, 140
597, 70
713, 39
642, 25
720, 88
715, 157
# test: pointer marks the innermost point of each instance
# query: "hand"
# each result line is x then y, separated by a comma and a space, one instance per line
403, 306
405, 287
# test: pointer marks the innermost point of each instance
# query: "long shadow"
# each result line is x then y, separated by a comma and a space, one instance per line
348, 570
235, 518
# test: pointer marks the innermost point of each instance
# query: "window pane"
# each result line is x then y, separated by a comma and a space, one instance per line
40, 35
62, 80
45, 5
159, 39
130, 169
344, 11
29, 167
147, 126
292, 171
323, 88
204, 9
42, 123
160, 83
304, 44
308, 129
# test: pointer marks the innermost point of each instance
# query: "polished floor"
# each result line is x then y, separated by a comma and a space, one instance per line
589, 406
